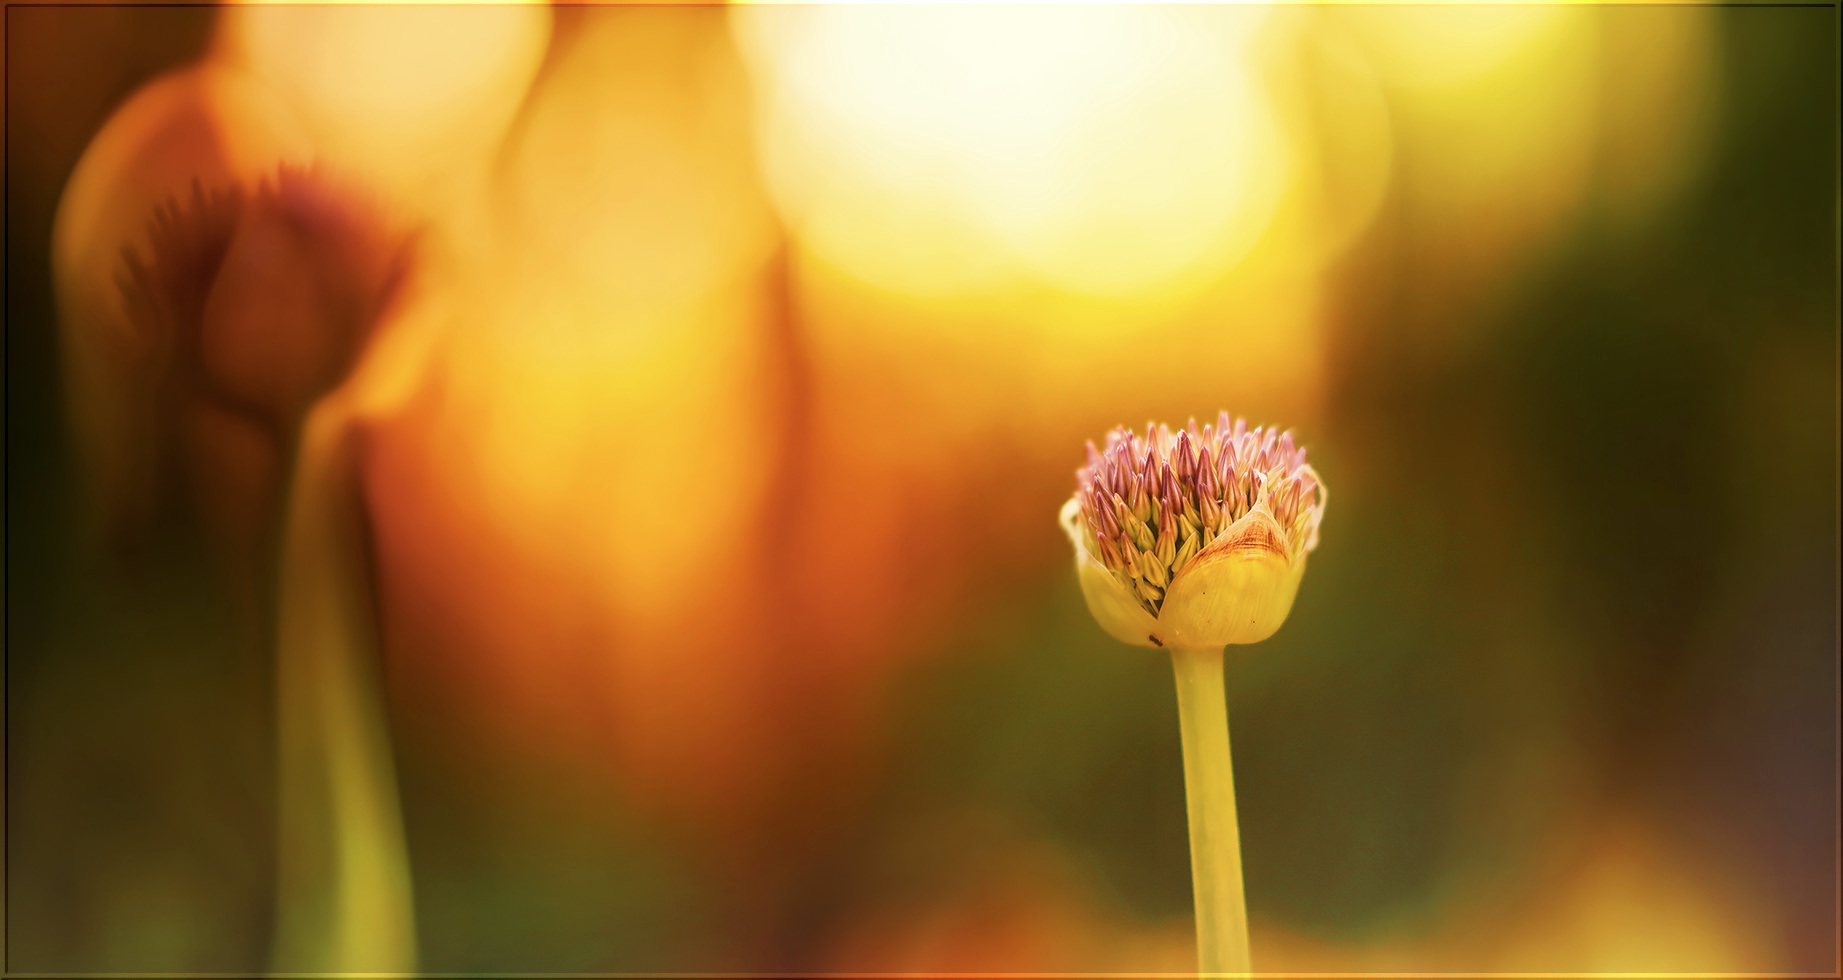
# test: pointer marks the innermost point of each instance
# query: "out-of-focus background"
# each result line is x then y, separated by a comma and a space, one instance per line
727, 625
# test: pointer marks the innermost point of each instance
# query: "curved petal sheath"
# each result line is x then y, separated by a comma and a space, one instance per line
1237, 590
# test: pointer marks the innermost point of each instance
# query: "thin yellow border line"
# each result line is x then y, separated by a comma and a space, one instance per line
892, 975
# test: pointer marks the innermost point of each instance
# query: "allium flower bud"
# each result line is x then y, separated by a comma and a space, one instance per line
1194, 538
209, 291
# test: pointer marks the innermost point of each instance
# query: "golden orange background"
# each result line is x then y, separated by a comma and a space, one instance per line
712, 480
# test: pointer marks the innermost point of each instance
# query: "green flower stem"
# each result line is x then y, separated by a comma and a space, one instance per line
343, 901
1215, 836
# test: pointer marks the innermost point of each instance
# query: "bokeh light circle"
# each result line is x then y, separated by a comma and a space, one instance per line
1099, 150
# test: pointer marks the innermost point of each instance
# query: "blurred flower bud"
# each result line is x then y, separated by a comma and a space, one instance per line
1196, 539
209, 288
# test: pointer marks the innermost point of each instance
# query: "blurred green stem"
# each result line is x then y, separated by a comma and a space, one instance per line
1215, 836
343, 901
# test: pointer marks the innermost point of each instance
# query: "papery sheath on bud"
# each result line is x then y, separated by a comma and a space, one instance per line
1193, 538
